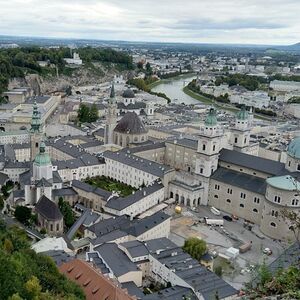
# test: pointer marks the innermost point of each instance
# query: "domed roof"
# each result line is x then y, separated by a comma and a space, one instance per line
242, 114
128, 93
43, 158
294, 148
211, 119
131, 123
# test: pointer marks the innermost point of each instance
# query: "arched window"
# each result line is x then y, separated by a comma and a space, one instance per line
203, 147
228, 200
255, 210
295, 202
272, 224
242, 205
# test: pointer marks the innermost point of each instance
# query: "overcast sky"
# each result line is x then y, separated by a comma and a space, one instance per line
199, 21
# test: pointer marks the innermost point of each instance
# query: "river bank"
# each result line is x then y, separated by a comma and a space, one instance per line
227, 107
177, 77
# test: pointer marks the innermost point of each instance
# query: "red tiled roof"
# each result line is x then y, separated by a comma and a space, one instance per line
95, 285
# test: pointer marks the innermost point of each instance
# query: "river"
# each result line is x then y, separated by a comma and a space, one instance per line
173, 89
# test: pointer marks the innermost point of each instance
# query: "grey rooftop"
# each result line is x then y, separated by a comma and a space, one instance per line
241, 180
136, 162
264, 165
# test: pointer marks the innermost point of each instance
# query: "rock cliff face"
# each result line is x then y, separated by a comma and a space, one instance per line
80, 76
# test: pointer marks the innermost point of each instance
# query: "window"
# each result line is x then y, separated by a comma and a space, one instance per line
277, 199
273, 224
203, 147
235, 140
245, 140
274, 213
256, 200
243, 195
228, 200
217, 187
242, 205
229, 191
214, 147
201, 170
255, 210
295, 202
298, 167
216, 196
289, 163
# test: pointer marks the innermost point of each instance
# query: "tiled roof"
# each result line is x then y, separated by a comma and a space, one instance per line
95, 285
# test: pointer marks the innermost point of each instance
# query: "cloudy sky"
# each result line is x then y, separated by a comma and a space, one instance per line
199, 21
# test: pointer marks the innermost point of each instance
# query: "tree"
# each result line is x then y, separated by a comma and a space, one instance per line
93, 113
148, 68
83, 113
140, 65
27, 275
1, 202
218, 270
195, 247
33, 288
66, 210
23, 214
8, 246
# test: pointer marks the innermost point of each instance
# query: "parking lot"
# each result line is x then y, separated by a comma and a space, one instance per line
231, 234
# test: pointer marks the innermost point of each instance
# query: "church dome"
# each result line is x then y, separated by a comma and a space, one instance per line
242, 114
43, 158
294, 148
131, 123
211, 119
128, 93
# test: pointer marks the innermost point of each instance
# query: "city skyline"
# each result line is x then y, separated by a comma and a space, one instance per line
241, 22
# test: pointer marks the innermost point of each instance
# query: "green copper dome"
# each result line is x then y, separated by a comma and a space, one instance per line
242, 114
294, 148
211, 119
43, 158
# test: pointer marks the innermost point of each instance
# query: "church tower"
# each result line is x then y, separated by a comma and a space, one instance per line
36, 132
240, 136
111, 119
209, 146
42, 177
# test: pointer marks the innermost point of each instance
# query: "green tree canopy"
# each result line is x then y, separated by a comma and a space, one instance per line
66, 210
23, 214
195, 247
27, 275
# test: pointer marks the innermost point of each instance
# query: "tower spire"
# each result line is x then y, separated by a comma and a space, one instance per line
35, 119
112, 91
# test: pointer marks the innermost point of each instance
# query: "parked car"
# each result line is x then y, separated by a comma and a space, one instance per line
267, 251
227, 218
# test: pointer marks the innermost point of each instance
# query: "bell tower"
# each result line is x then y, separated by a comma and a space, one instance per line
240, 132
209, 146
36, 132
111, 119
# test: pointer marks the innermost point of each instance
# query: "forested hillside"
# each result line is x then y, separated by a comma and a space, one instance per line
18, 62
27, 275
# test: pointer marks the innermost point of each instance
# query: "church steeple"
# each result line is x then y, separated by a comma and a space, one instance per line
36, 131
112, 91
111, 118
35, 119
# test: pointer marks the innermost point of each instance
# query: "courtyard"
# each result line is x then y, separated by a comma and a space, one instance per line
111, 185
219, 239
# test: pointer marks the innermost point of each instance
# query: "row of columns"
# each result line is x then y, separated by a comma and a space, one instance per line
181, 199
